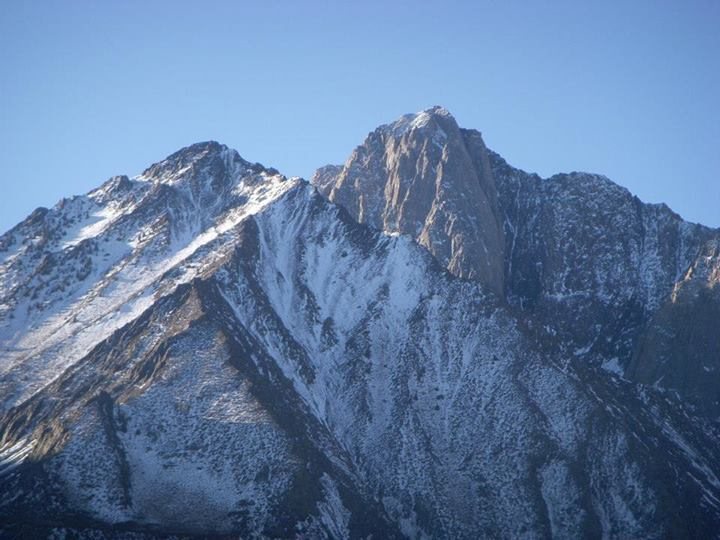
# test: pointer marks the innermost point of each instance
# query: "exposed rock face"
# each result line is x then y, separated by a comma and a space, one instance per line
590, 263
214, 348
420, 176
613, 279
681, 347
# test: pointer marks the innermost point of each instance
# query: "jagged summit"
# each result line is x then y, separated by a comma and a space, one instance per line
201, 147
435, 118
212, 157
194, 152
422, 176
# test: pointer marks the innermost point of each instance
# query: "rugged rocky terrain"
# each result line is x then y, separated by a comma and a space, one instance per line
423, 342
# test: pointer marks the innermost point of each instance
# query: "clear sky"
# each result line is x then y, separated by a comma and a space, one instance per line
629, 89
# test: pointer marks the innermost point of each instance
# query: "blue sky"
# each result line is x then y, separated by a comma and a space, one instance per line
627, 89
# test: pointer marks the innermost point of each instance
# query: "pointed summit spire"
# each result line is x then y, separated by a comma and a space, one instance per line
422, 176
432, 119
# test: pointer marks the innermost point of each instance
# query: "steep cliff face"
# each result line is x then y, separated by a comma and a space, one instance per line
214, 348
420, 176
586, 260
681, 347
618, 281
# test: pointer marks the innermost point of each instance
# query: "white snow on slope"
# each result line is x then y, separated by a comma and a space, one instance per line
40, 339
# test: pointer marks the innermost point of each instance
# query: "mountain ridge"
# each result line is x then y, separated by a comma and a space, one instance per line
634, 282
214, 348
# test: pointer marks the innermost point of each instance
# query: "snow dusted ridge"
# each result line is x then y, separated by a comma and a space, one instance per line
80, 271
447, 348
418, 121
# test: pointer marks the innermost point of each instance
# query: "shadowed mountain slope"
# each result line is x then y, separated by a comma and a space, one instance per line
211, 348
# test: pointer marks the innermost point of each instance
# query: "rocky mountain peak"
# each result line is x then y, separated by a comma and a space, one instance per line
211, 159
435, 121
423, 176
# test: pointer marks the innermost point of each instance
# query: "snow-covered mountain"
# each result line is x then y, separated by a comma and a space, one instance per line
424, 342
